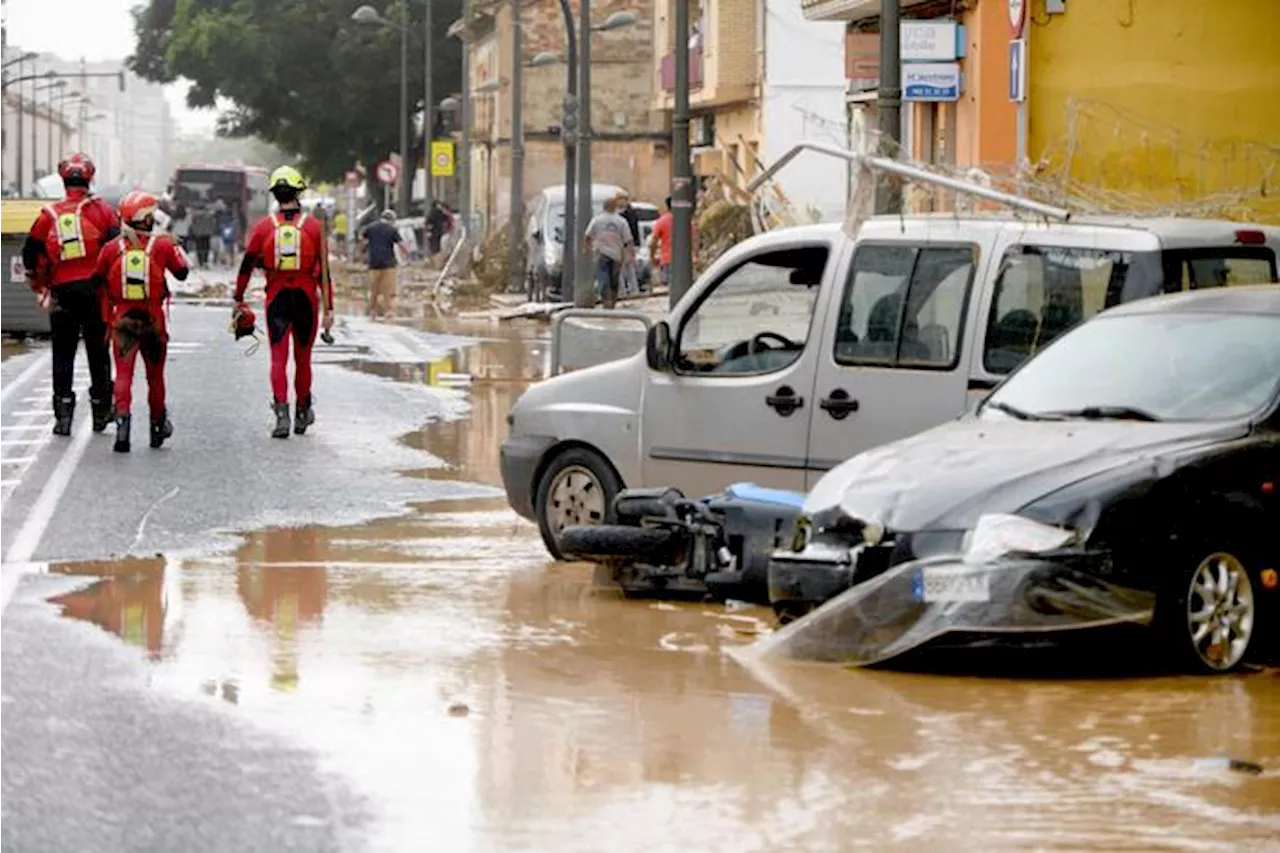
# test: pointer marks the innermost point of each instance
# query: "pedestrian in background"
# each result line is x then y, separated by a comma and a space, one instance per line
437, 225
630, 278
202, 233
181, 226
385, 247
340, 233
608, 238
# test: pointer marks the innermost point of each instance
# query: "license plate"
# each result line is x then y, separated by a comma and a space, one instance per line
946, 584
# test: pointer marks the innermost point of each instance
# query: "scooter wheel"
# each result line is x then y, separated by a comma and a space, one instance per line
619, 542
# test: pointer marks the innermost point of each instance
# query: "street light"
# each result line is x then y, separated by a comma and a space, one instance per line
370, 15
584, 293
60, 98
35, 114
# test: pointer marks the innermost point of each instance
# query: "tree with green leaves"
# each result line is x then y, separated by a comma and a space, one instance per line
300, 73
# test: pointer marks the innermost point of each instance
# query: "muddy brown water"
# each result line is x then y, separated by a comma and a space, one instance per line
488, 699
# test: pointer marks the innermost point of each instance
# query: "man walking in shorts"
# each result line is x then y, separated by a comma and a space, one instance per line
383, 243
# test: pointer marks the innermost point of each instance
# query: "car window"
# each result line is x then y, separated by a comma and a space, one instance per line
1166, 366
876, 326
756, 319
1041, 292
1195, 269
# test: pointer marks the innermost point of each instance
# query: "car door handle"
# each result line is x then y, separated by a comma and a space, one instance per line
785, 401
838, 405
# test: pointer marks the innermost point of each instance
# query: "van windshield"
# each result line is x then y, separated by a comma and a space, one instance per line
1042, 291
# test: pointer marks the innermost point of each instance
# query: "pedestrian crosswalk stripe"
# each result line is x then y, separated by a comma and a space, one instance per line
17, 460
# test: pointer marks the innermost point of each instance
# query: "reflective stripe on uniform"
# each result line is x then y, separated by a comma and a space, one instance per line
288, 242
67, 226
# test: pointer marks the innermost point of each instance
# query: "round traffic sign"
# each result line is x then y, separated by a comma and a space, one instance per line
1017, 16
443, 159
387, 172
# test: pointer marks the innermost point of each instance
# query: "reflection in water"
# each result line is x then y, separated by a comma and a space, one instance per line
130, 600
283, 587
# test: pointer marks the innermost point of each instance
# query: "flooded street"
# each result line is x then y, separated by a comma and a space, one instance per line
476, 694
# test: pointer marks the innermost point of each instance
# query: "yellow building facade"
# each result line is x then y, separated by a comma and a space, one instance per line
1171, 105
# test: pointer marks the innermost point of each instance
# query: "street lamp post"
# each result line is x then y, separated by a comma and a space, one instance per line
370, 15
60, 98
681, 168
584, 292
459, 29
428, 101
515, 253
35, 114
570, 128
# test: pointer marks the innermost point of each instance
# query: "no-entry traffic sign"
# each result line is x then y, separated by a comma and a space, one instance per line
1017, 16
388, 172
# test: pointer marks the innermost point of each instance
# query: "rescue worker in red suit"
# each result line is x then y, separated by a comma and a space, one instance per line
60, 255
132, 269
290, 246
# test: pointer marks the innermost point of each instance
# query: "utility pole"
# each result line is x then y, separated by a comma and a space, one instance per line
515, 256
404, 184
22, 108
681, 168
889, 103
428, 109
584, 287
464, 141
570, 283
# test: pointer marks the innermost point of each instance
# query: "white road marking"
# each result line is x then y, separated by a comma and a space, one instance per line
8, 442
37, 521
25, 412
40, 363
17, 460
4, 484
27, 427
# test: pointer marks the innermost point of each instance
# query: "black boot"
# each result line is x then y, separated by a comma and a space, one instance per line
122, 433
104, 411
304, 417
64, 410
161, 428
282, 421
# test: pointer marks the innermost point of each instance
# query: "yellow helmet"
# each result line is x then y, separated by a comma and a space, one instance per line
287, 176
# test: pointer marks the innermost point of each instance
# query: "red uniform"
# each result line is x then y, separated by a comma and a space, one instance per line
60, 253
290, 246
136, 292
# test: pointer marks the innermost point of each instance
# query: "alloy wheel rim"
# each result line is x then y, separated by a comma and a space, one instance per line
1220, 611
575, 497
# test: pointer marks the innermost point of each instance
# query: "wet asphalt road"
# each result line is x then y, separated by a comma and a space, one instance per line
429, 680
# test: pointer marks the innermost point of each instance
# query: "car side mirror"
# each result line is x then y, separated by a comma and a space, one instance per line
657, 347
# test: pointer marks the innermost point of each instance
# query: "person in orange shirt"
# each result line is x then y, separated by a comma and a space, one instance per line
290, 245
59, 256
132, 270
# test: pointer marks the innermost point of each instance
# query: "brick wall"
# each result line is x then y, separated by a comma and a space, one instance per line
621, 66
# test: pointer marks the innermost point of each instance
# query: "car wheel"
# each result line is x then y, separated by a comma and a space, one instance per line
1210, 614
577, 488
618, 542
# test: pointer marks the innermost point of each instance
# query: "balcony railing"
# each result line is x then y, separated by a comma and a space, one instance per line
668, 70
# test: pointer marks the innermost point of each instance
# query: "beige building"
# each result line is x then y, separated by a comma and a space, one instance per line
631, 143
41, 133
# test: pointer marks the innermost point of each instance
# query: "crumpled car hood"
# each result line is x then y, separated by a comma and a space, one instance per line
946, 477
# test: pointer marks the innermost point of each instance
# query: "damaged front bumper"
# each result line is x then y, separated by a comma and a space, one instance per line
917, 602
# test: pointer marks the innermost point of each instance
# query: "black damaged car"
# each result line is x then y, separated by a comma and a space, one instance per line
1128, 473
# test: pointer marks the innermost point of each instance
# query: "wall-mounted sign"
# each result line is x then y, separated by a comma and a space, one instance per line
928, 41
1017, 16
1018, 70
931, 81
862, 60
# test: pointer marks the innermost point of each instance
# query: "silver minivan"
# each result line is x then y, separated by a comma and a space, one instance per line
802, 347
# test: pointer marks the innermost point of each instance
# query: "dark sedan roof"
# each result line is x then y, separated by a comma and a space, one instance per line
1244, 299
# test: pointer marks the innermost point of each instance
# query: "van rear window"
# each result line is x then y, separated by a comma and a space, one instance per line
1042, 291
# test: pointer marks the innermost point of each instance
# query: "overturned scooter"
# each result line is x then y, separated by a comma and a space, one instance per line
664, 544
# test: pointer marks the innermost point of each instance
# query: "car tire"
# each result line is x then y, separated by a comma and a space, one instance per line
618, 542
576, 488
1195, 602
